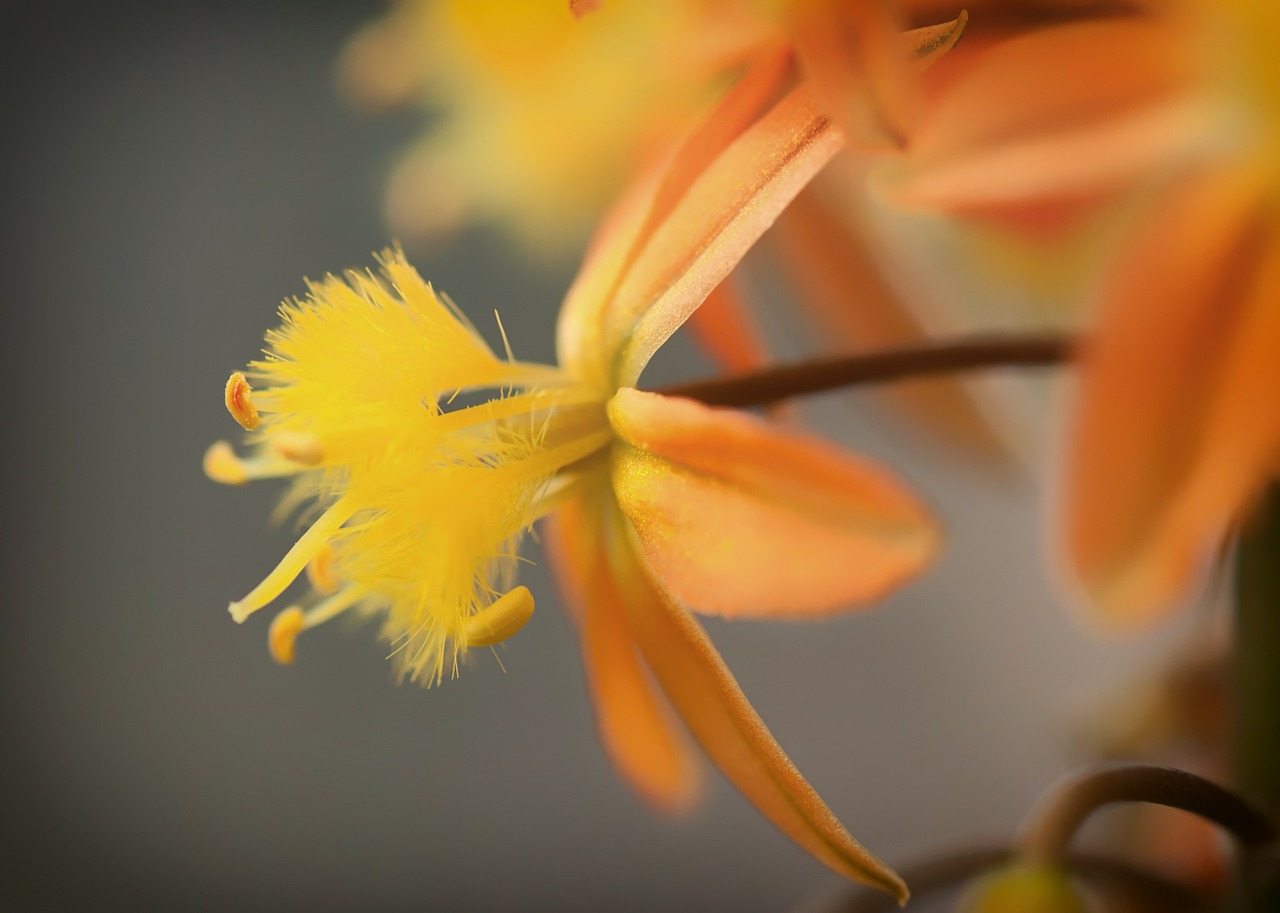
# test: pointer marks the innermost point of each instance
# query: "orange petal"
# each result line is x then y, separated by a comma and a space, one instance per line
1009, 128
704, 693
1175, 425
624, 305
740, 519
843, 288
644, 206
859, 70
635, 726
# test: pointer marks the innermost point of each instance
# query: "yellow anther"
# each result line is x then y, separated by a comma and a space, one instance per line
320, 573
222, 465
298, 446
283, 633
240, 401
499, 620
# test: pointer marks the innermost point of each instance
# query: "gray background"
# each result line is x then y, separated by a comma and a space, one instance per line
168, 175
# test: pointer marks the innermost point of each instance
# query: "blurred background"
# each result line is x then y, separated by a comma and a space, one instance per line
170, 172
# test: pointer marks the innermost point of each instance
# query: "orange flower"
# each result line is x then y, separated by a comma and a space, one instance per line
1167, 113
652, 502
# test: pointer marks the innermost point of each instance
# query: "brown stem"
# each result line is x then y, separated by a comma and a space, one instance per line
818, 375
937, 873
1051, 825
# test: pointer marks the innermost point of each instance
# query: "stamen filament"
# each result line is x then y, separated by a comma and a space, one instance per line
223, 465
286, 626
294, 561
510, 406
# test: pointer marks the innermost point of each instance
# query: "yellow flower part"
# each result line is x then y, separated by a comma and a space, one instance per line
653, 502
541, 116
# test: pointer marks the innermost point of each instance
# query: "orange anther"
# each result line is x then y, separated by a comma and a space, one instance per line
240, 402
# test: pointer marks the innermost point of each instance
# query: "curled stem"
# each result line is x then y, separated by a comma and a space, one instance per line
1051, 824
818, 375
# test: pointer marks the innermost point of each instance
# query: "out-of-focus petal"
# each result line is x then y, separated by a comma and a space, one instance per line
636, 727
842, 287
743, 520
1174, 426
1009, 127
860, 70
864, 67
625, 305
704, 693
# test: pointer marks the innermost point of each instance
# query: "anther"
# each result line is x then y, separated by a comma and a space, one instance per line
240, 402
283, 633
298, 446
320, 573
222, 465
499, 620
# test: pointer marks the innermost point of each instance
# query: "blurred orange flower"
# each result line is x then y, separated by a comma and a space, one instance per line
652, 502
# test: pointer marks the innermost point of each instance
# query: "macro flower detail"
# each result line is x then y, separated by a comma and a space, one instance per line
651, 500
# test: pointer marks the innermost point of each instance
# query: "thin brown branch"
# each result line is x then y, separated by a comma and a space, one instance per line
1051, 825
819, 375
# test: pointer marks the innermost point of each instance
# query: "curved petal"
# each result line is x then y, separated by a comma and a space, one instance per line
1009, 128
1174, 426
704, 693
644, 207
635, 726
642, 280
739, 519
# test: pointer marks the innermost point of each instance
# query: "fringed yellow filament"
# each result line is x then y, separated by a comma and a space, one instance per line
285, 627
294, 561
513, 406
239, 401
298, 447
553, 459
499, 620
222, 465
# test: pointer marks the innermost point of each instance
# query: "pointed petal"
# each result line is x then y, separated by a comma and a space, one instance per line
647, 203
740, 519
624, 305
1174, 427
635, 724
704, 693
844, 289
1008, 128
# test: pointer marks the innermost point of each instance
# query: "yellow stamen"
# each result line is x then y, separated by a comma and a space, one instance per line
284, 630
298, 446
240, 401
222, 465
320, 572
292, 564
285, 627
499, 620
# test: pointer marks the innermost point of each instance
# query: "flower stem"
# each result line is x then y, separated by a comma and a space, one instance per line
1256, 682
779, 382
1051, 825
1116, 878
